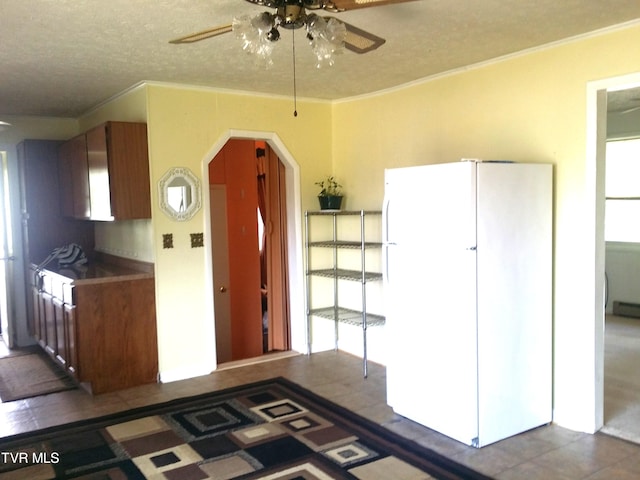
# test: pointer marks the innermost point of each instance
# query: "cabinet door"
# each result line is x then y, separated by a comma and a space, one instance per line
69, 316
98, 162
73, 174
129, 170
119, 171
61, 341
49, 323
39, 331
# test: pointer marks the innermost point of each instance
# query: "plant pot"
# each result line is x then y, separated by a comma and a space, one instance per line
330, 202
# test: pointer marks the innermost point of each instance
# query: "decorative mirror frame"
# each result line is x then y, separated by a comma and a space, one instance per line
193, 182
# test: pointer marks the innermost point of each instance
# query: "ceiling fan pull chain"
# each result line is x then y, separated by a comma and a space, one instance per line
295, 97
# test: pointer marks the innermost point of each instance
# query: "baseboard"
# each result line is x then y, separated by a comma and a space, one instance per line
626, 309
184, 373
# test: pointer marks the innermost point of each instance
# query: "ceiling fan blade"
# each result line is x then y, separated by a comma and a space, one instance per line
353, 4
203, 35
358, 40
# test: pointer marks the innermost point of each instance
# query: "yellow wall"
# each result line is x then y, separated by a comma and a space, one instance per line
529, 108
184, 126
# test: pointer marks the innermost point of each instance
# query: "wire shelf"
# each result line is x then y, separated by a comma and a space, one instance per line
359, 318
348, 316
344, 274
344, 244
342, 212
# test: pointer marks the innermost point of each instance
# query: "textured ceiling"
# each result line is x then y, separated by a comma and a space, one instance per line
63, 57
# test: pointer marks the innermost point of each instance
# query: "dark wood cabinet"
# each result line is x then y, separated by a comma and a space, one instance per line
108, 173
120, 149
102, 328
73, 173
49, 316
61, 336
38, 326
54, 326
99, 322
69, 319
116, 334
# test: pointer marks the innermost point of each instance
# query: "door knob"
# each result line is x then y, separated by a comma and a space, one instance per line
223, 289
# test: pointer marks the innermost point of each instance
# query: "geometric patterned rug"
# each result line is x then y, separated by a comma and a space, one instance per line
270, 430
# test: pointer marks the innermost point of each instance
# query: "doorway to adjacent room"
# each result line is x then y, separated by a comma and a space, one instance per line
622, 246
248, 214
597, 127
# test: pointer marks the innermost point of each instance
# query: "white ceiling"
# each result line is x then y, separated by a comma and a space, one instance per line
62, 57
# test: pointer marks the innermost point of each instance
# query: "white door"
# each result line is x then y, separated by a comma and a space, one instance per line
431, 297
220, 249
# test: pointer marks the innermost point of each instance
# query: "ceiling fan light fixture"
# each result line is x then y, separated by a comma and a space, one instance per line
327, 36
326, 39
256, 34
263, 21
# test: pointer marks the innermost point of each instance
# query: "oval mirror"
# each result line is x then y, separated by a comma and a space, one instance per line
179, 191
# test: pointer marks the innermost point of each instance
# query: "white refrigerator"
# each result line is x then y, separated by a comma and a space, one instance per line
468, 285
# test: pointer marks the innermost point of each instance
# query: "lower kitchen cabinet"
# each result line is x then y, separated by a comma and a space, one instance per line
50, 328
69, 319
102, 329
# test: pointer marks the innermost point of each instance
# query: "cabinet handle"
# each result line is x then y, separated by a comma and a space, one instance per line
223, 289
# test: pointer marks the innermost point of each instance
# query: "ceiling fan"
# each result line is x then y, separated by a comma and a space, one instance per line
328, 33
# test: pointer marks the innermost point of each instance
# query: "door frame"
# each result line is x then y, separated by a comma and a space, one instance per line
293, 203
595, 168
7, 254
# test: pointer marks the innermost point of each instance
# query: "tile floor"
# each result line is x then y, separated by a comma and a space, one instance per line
548, 452
622, 378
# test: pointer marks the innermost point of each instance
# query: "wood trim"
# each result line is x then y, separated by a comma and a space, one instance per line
277, 273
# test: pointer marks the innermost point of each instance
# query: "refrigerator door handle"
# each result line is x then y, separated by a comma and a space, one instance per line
385, 238
385, 261
385, 219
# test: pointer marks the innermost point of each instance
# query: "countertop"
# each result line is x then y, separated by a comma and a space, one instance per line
96, 272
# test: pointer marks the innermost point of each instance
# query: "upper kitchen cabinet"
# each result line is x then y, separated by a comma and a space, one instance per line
73, 174
111, 180
119, 171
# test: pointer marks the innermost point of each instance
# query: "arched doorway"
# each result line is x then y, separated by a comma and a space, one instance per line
254, 248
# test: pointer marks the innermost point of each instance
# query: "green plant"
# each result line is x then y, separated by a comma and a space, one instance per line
329, 187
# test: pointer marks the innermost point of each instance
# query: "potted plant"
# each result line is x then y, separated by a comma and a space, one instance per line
330, 195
